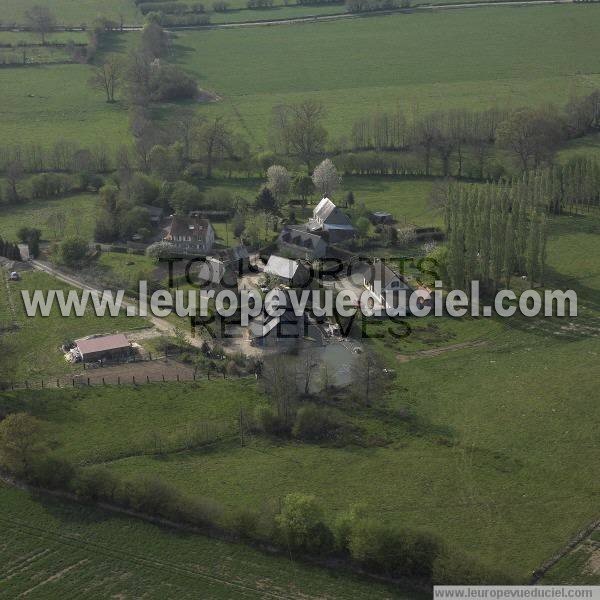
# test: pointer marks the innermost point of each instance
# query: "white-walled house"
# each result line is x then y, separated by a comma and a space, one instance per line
190, 235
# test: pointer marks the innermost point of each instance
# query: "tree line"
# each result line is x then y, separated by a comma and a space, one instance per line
496, 231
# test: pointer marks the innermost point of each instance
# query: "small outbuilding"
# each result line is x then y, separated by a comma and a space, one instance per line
381, 218
105, 347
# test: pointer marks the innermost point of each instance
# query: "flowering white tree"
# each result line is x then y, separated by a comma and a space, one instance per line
278, 181
326, 178
159, 250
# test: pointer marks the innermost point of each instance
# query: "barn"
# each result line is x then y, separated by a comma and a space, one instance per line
104, 347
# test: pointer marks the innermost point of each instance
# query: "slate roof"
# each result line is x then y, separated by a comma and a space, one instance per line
193, 227
300, 237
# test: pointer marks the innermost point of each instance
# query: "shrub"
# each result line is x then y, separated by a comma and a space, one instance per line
72, 251
315, 424
96, 483
300, 524
393, 552
150, 495
171, 83
51, 472
271, 423
244, 522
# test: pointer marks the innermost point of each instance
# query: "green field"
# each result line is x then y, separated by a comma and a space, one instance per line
579, 567
483, 445
32, 351
73, 12
422, 61
78, 215
51, 549
49, 103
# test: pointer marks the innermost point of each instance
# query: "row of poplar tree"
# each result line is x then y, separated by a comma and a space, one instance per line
499, 230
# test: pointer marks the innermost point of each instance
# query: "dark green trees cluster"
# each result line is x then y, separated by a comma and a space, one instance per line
496, 231
573, 186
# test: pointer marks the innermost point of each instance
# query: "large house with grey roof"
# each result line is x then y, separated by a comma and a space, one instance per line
328, 218
297, 241
190, 235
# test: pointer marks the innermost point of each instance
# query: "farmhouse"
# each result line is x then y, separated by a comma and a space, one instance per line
283, 330
329, 219
298, 242
105, 347
390, 289
290, 272
190, 235
215, 272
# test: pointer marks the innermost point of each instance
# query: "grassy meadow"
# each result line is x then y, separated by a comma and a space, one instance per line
32, 351
53, 549
507, 56
482, 445
77, 215
420, 61
73, 12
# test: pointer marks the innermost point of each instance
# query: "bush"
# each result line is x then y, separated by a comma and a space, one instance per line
393, 552
300, 524
169, 83
96, 483
271, 423
53, 473
151, 496
244, 522
315, 424
72, 251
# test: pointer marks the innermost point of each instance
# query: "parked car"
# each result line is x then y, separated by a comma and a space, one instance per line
14, 276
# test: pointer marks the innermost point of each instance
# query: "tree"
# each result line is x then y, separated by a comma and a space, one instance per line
40, 20
21, 442
14, 174
326, 178
300, 523
107, 76
265, 200
303, 186
185, 197
30, 236
531, 134
72, 251
215, 140
155, 40
367, 377
301, 131
349, 199
363, 226
278, 181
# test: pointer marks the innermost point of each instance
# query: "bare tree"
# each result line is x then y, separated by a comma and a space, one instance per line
215, 140
278, 377
301, 131
40, 20
107, 76
14, 174
367, 381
